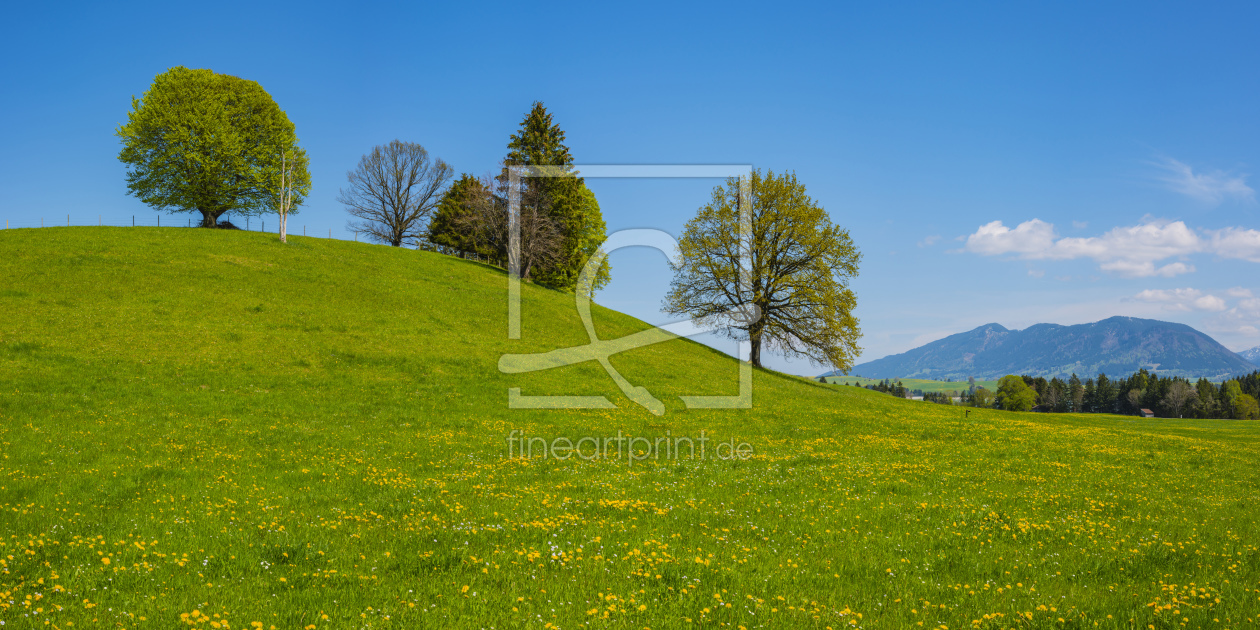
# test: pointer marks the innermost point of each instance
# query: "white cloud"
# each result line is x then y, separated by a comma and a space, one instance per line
1237, 242
1128, 251
1209, 303
1134, 251
1080, 225
1241, 321
1135, 269
1167, 295
1185, 299
1036, 273
1238, 292
929, 241
1028, 239
1210, 188
1145, 242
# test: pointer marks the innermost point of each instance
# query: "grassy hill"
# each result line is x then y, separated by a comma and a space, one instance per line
212, 429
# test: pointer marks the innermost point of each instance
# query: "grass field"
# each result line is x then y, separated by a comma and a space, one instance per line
211, 429
913, 383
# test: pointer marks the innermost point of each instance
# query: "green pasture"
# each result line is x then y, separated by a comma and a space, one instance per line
913, 383
211, 429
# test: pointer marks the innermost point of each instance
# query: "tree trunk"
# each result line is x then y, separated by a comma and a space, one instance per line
754, 339
754, 332
284, 226
209, 218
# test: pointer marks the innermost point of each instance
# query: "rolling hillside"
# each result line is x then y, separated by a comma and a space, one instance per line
209, 429
1117, 346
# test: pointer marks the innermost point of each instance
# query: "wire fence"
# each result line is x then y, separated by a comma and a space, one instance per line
251, 224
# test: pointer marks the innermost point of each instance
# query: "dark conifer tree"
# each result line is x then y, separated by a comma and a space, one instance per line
540, 142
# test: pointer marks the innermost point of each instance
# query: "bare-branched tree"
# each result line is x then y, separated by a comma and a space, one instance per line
392, 192
1179, 393
1135, 398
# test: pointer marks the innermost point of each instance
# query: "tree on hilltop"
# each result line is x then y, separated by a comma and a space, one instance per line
209, 143
475, 218
392, 192
793, 294
563, 197
446, 226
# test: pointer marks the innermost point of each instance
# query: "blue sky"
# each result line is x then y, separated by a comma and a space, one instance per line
1013, 163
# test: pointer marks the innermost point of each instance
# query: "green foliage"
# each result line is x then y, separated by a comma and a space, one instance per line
211, 143
792, 294
1230, 391
575, 206
982, 398
1014, 394
540, 142
1105, 395
446, 228
1246, 407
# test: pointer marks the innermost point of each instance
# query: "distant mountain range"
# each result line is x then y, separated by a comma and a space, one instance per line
1252, 355
1117, 346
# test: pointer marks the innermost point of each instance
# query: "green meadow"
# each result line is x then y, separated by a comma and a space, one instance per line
211, 429
913, 383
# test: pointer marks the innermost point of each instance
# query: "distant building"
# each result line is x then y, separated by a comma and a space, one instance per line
1147, 413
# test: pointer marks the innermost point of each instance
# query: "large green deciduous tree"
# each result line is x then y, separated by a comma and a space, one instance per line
1246, 407
794, 296
566, 199
1014, 394
198, 141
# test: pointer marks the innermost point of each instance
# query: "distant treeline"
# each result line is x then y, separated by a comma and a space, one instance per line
1167, 397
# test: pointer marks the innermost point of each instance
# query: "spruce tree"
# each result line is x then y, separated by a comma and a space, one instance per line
1106, 395
540, 142
1076, 391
